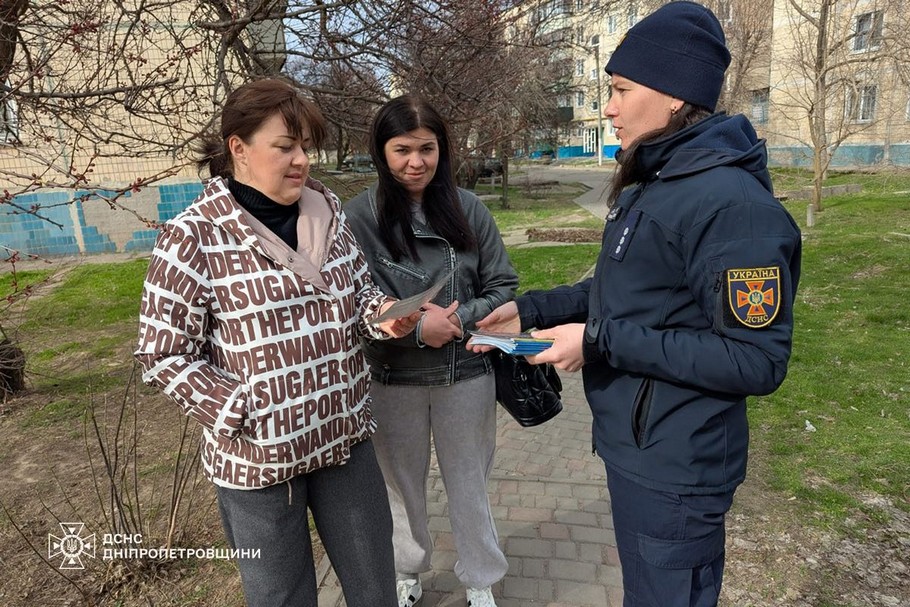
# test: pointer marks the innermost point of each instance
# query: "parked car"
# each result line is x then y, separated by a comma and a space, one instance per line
491, 167
359, 163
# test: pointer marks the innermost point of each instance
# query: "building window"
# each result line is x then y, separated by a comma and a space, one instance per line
861, 103
594, 105
611, 24
724, 11
579, 5
908, 111
760, 100
632, 15
589, 141
579, 67
868, 33
550, 10
9, 118
593, 73
579, 99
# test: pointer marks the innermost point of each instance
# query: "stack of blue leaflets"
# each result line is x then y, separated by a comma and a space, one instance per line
521, 344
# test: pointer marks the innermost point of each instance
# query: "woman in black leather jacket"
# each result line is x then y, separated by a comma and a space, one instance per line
415, 226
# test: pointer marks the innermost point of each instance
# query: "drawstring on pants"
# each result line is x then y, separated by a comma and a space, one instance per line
290, 494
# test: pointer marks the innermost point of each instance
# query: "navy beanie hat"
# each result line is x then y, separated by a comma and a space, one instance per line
679, 49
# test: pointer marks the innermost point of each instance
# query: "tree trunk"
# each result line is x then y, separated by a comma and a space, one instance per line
505, 183
340, 152
468, 173
12, 368
818, 115
10, 12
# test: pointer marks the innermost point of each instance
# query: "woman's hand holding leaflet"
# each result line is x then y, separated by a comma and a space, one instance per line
438, 328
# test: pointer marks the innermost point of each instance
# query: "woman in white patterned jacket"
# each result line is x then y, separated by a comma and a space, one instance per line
252, 311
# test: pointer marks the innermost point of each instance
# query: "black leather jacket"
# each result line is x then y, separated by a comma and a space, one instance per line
484, 280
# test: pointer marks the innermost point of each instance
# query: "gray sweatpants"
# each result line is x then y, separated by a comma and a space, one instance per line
462, 419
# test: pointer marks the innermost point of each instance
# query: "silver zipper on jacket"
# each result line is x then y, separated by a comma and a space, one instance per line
396, 266
453, 281
453, 357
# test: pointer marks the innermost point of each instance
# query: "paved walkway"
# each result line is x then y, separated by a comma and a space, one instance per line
594, 177
549, 500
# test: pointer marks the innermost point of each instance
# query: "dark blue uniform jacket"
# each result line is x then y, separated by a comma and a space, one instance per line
689, 311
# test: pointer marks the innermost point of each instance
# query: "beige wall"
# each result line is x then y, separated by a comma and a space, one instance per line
792, 82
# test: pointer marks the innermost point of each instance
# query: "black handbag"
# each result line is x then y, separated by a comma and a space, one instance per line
530, 393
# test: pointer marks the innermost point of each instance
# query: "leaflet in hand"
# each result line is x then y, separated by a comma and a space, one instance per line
409, 305
521, 344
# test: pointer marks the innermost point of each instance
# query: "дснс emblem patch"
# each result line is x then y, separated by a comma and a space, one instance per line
754, 295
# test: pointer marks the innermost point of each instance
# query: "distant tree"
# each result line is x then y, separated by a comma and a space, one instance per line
748, 27
348, 98
459, 55
90, 83
843, 56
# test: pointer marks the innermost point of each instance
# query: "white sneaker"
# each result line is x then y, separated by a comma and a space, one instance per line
480, 597
409, 592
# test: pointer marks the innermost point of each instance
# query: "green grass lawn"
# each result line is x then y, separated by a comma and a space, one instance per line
547, 267
849, 375
539, 207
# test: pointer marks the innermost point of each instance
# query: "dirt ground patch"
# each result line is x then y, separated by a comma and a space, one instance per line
775, 559
48, 478
573, 235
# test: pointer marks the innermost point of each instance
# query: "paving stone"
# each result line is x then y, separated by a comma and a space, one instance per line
591, 553
554, 531
565, 550
581, 594
572, 570
575, 517
598, 535
534, 568
522, 588
530, 547
530, 514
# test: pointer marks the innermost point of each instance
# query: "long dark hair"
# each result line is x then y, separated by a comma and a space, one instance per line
627, 171
440, 204
246, 108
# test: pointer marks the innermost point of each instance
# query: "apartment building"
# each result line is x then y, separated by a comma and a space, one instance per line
859, 93
865, 107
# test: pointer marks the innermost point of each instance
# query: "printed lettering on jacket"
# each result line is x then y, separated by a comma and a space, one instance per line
268, 364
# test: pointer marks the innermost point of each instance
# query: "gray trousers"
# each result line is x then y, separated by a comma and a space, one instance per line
352, 518
462, 420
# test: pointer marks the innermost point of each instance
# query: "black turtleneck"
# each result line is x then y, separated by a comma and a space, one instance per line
279, 218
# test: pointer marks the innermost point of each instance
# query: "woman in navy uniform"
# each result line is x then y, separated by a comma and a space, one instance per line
689, 311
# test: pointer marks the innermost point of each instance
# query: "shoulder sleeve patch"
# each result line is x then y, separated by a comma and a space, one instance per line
753, 296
